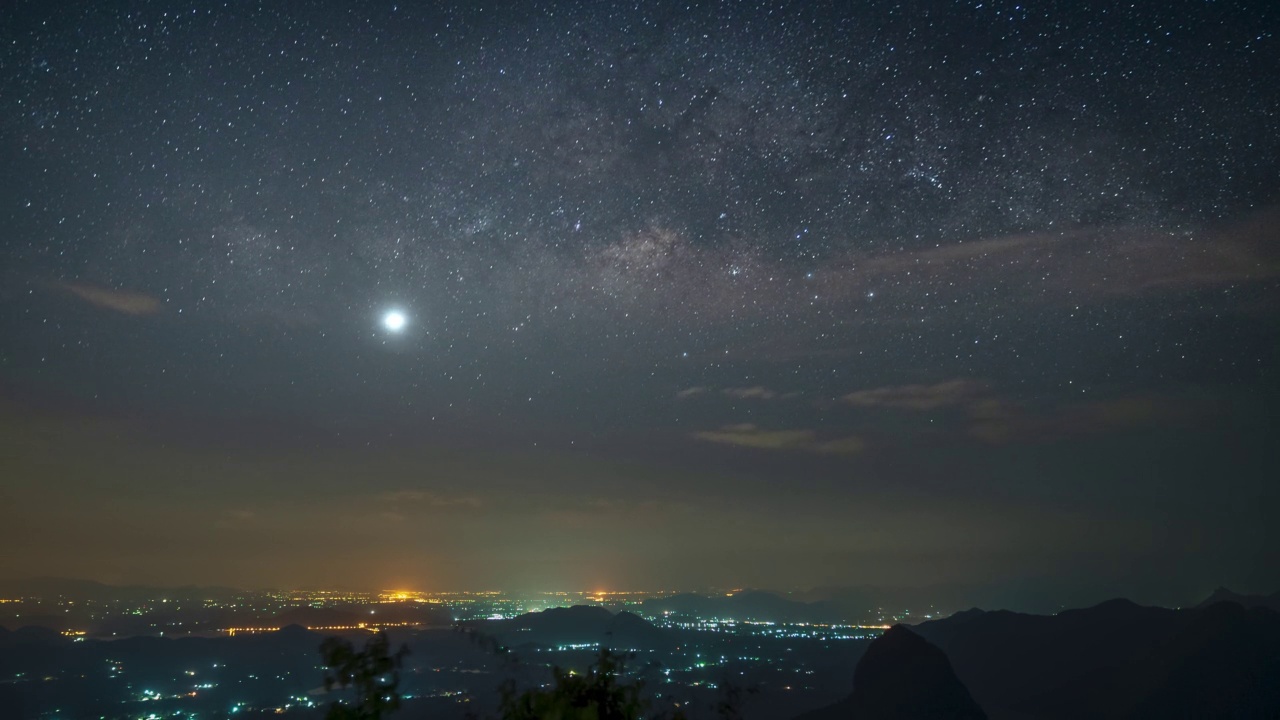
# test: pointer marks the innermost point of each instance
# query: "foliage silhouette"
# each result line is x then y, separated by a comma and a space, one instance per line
729, 705
374, 674
596, 694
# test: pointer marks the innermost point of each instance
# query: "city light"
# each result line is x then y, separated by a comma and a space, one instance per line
707, 643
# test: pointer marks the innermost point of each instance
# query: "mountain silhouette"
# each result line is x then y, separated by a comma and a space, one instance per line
1225, 662
902, 676
31, 635
1249, 601
1117, 660
53, 587
577, 625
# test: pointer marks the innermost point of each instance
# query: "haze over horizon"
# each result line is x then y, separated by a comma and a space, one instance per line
1036, 596
575, 295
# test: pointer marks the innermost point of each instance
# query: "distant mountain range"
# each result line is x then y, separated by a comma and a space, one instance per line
861, 604
1038, 595
855, 604
874, 604
1222, 594
578, 625
31, 635
49, 587
1220, 659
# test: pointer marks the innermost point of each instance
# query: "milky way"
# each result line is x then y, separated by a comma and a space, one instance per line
723, 230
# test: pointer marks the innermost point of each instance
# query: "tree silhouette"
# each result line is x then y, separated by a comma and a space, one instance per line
729, 704
596, 694
374, 674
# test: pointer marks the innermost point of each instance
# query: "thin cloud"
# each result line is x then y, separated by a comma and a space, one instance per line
751, 436
663, 272
121, 301
918, 397
754, 392
848, 445
1100, 262
757, 392
994, 419
998, 422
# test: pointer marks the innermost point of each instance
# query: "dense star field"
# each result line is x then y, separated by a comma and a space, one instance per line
574, 294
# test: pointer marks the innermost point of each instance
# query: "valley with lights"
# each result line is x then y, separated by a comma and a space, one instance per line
218, 653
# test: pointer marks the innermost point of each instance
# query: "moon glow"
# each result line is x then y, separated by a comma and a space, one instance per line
394, 320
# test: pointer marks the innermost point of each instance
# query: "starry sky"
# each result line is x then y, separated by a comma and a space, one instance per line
651, 295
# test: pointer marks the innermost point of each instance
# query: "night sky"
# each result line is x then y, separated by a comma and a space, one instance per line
581, 295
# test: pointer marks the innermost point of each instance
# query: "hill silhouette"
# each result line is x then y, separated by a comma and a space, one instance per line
51, 587
1226, 657
31, 635
903, 677
1117, 660
577, 625
1222, 594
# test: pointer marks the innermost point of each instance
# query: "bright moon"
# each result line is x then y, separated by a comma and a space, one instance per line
394, 321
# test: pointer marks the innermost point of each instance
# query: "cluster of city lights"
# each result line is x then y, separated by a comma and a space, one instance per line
371, 627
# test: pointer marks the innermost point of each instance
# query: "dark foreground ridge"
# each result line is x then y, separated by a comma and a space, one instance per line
1117, 660
1114, 660
902, 677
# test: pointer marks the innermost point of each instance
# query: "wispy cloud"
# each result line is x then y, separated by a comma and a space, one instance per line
918, 397
751, 436
1097, 263
753, 392
991, 417
748, 435
121, 301
667, 273
997, 421
758, 392
846, 445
